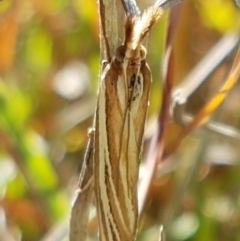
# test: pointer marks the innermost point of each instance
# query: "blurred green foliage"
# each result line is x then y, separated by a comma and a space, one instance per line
43, 131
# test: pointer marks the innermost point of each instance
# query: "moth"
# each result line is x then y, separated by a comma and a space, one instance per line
119, 126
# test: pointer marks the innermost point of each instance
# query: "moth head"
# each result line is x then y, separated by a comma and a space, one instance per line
135, 55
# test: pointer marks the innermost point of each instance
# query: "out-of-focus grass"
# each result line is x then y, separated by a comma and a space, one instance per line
38, 39
49, 60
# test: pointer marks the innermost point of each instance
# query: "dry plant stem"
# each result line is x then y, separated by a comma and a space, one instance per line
157, 144
219, 129
201, 72
108, 28
80, 209
203, 115
167, 3
131, 7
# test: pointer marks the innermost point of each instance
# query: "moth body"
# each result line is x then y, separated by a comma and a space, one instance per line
120, 119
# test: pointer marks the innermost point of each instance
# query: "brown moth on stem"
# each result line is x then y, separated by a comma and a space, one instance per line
119, 122
120, 119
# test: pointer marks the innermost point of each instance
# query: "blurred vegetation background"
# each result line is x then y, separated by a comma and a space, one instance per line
49, 65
